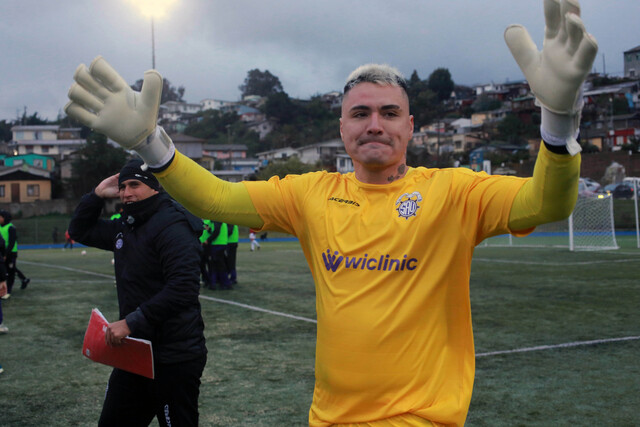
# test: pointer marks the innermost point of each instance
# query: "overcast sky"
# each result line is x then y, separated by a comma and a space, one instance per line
208, 46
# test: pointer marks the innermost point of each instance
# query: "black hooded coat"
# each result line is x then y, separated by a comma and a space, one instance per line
157, 267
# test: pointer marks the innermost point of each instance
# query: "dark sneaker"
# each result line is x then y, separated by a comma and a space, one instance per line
25, 282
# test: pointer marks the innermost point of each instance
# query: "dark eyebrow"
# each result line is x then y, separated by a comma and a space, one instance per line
391, 107
367, 108
360, 107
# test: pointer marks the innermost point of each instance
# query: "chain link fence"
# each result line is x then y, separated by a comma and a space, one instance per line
42, 230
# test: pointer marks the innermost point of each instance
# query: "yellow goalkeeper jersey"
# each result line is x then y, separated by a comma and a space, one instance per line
391, 265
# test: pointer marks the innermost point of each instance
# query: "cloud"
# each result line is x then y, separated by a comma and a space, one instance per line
208, 46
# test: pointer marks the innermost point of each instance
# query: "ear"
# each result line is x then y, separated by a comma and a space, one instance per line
411, 126
341, 128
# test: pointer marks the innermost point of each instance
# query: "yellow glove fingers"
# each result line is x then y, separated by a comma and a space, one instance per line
151, 91
87, 81
522, 47
101, 70
81, 96
80, 113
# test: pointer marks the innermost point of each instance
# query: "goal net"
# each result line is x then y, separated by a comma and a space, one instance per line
590, 227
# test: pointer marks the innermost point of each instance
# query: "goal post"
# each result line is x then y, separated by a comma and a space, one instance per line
590, 227
591, 224
635, 184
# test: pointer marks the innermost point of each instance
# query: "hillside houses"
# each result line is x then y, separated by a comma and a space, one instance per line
468, 124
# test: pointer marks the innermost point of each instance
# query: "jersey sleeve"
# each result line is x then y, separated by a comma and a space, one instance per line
485, 202
550, 195
280, 201
207, 196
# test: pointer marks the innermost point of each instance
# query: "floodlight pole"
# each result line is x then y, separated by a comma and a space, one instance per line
153, 47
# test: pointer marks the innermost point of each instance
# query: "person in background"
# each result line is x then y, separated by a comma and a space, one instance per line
232, 251
68, 241
218, 263
3, 288
10, 236
255, 245
157, 255
205, 275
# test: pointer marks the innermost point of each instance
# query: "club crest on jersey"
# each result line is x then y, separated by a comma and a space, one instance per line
407, 204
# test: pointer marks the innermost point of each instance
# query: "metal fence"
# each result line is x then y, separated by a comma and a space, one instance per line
41, 230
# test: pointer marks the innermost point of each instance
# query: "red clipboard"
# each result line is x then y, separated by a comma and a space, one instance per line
135, 355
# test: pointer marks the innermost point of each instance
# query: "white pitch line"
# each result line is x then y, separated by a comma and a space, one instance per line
551, 347
305, 319
254, 308
69, 269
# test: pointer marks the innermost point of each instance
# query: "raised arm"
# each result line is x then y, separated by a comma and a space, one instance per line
556, 75
101, 99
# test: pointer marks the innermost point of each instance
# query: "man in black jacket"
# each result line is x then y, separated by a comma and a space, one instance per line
157, 256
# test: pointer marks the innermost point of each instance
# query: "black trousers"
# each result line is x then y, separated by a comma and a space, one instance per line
12, 270
204, 265
132, 400
232, 251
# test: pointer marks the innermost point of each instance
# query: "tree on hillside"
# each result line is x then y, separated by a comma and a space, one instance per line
224, 128
96, 160
30, 120
441, 83
169, 92
5, 131
423, 102
280, 107
513, 130
212, 124
485, 103
415, 85
261, 83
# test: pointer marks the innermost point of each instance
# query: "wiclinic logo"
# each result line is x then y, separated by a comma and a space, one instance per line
332, 261
407, 204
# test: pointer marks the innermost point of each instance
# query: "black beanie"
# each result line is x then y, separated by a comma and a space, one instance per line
133, 170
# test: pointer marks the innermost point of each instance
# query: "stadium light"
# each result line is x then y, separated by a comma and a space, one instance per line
153, 9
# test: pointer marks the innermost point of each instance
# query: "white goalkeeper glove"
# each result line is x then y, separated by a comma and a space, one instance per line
556, 73
102, 100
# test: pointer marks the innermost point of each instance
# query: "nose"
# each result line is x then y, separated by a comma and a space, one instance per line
126, 191
374, 127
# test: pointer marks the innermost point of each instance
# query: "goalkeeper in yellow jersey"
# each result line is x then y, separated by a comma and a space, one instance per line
389, 246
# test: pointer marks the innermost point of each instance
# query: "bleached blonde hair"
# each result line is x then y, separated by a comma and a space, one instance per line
381, 74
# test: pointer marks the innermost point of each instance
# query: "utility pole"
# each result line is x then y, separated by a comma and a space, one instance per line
153, 47
611, 129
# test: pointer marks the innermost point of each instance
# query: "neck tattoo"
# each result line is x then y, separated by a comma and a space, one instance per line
401, 170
